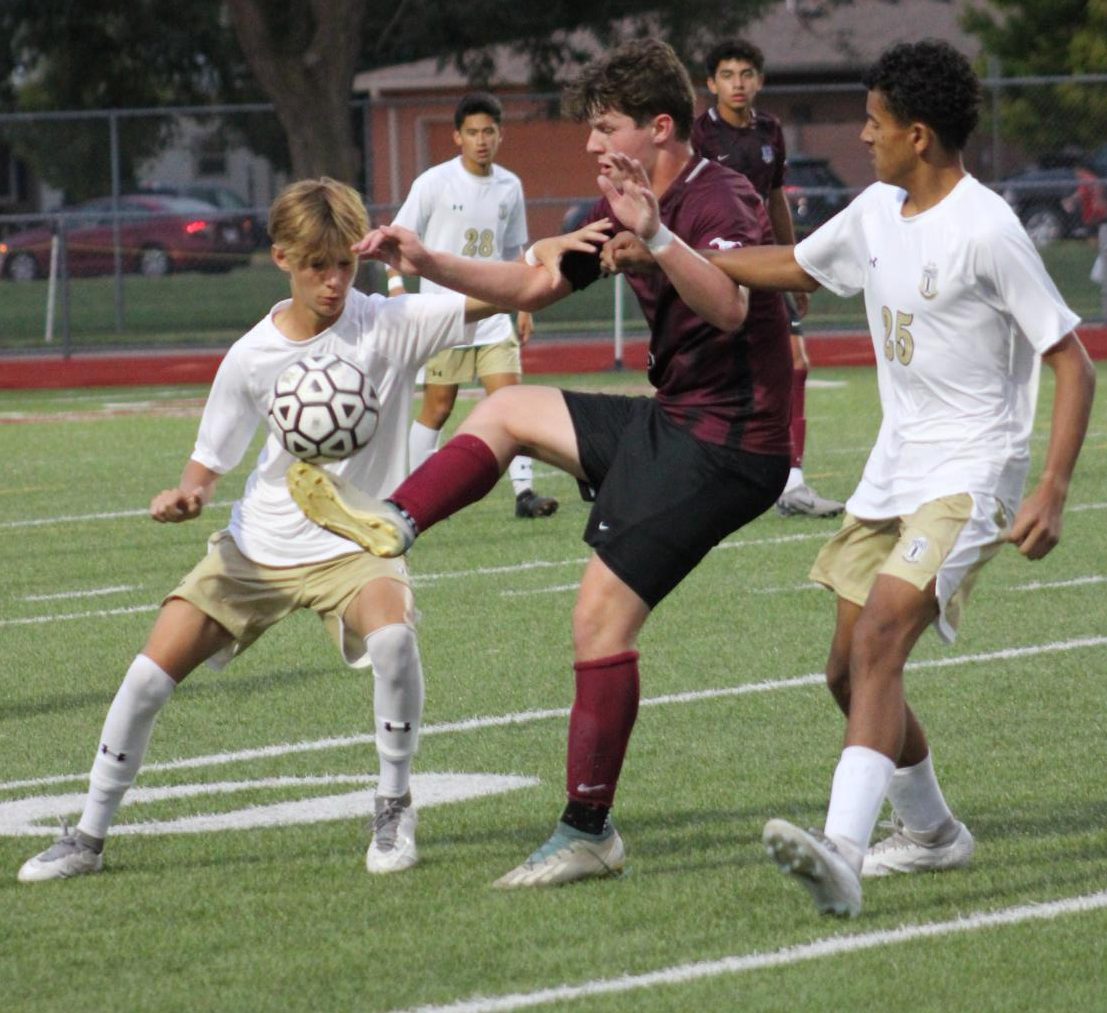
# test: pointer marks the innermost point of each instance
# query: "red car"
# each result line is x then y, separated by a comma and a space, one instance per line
157, 234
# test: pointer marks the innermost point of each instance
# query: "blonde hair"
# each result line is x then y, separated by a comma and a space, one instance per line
317, 217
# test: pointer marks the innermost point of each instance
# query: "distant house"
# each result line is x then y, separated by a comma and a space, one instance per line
814, 59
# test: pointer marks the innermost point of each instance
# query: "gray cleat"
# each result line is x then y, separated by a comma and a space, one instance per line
393, 846
950, 846
72, 854
816, 861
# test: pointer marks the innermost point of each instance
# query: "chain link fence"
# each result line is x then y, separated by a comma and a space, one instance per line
145, 228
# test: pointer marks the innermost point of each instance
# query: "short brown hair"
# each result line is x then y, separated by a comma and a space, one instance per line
317, 217
640, 79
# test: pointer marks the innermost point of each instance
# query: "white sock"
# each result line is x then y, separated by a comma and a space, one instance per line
521, 473
397, 703
795, 478
860, 782
422, 441
917, 798
123, 742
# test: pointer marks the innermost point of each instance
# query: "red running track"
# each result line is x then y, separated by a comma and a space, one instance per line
541, 356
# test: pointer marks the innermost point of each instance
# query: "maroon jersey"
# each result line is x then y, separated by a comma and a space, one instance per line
756, 151
729, 388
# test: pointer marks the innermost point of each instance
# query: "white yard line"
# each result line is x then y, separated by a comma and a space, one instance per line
529, 717
92, 592
828, 946
112, 515
1042, 585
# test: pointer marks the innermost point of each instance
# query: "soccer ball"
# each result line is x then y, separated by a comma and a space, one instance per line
323, 408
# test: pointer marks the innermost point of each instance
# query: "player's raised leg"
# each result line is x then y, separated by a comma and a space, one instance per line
513, 419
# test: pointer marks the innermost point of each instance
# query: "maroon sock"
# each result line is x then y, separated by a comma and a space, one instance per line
462, 472
799, 420
600, 724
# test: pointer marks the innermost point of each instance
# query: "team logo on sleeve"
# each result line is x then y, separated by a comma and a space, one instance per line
718, 243
767, 154
928, 287
503, 212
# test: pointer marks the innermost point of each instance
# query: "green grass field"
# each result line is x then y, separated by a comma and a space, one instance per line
192, 309
734, 728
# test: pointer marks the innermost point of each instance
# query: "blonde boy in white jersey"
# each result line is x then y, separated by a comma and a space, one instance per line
272, 560
961, 312
472, 207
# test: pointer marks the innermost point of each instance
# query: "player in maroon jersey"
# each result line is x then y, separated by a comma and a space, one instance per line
671, 475
747, 140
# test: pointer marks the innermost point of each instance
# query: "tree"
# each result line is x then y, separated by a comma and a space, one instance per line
301, 56
304, 56
1047, 37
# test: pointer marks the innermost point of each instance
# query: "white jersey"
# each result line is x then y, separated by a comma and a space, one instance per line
389, 339
454, 211
960, 308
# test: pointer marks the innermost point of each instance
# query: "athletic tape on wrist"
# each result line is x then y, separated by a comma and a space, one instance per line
660, 239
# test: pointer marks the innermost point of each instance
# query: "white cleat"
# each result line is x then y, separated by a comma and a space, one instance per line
376, 525
816, 862
802, 500
70, 855
393, 846
567, 856
950, 846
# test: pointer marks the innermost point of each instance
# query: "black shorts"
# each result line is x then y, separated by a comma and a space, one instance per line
663, 499
795, 321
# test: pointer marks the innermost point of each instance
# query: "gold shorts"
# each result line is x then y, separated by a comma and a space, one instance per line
246, 598
946, 541
455, 366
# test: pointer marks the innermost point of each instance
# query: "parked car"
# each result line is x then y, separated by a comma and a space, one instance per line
1037, 195
814, 191
157, 234
227, 200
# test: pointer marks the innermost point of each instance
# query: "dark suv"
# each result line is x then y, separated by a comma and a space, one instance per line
814, 190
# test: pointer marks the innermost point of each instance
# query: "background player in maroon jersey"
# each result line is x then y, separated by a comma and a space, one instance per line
671, 475
751, 142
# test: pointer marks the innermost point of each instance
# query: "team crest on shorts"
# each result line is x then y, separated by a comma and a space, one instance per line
767, 154
915, 550
928, 287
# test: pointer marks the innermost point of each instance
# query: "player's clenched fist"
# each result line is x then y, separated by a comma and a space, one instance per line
175, 505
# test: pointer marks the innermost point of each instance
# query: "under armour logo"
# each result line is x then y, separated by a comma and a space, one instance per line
121, 757
396, 726
872, 262
457, 207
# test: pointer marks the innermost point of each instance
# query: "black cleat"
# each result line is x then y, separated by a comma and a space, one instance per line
529, 504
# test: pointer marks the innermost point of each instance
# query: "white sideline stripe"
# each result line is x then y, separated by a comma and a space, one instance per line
113, 515
529, 717
541, 590
1042, 585
828, 946
546, 564
90, 593
98, 613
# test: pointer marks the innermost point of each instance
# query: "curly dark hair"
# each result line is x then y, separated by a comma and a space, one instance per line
478, 102
641, 79
929, 82
734, 49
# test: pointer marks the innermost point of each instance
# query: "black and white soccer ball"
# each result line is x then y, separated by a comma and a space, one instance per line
323, 409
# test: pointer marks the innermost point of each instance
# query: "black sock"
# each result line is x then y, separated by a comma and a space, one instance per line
591, 819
